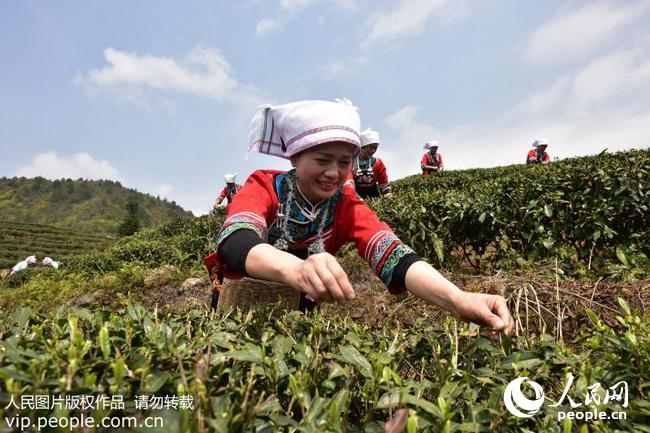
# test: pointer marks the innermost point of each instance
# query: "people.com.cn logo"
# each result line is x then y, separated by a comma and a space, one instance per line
517, 403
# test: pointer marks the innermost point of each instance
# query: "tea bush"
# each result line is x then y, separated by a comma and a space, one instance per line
267, 372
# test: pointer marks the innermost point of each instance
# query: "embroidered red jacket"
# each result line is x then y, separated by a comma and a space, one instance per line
369, 174
256, 205
427, 159
228, 194
532, 157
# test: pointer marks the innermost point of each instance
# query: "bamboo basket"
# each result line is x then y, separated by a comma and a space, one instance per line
248, 292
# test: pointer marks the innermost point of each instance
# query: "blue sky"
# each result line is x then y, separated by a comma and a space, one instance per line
159, 94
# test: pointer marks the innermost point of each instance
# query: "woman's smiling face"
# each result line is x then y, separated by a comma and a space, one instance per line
321, 171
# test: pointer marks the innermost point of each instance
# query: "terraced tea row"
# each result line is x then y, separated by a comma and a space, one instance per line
19, 240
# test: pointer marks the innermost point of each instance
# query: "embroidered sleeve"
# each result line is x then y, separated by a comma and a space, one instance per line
250, 210
239, 221
425, 160
250, 207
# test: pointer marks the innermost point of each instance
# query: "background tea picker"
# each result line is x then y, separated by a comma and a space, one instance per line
283, 228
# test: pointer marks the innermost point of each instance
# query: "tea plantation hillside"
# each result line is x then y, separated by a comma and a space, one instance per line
566, 244
96, 206
19, 240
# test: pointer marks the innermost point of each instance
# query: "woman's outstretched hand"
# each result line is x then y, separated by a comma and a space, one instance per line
321, 277
484, 310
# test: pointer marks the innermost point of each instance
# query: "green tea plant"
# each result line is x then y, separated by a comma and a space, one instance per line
19, 240
265, 371
587, 211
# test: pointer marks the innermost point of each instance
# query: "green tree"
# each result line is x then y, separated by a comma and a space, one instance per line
131, 222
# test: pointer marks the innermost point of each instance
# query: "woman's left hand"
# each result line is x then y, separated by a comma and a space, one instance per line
484, 310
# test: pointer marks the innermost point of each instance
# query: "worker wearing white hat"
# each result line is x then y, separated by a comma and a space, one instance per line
48, 261
368, 175
23, 264
538, 154
227, 192
284, 227
432, 160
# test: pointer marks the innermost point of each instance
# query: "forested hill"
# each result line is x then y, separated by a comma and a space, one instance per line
86, 205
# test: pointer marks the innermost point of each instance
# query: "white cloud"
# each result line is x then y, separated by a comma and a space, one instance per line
349, 5
163, 190
402, 118
499, 142
204, 72
601, 104
404, 18
403, 151
622, 73
81, 165
293, 6
543, 101
344, 68
618, 78
574, 35
267, 25
290, 9
409, 17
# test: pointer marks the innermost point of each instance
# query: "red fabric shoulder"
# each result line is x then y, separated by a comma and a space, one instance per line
257, 196
253, 208
380, 172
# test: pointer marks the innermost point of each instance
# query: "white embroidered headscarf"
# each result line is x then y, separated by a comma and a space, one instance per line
230, 178
429, 144
288, 129
369, 136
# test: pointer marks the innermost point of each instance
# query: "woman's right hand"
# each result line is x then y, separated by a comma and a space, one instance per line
321, 277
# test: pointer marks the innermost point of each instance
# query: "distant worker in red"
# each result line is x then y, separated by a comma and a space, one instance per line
368, 175
538, 155
228, 192
431, 161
